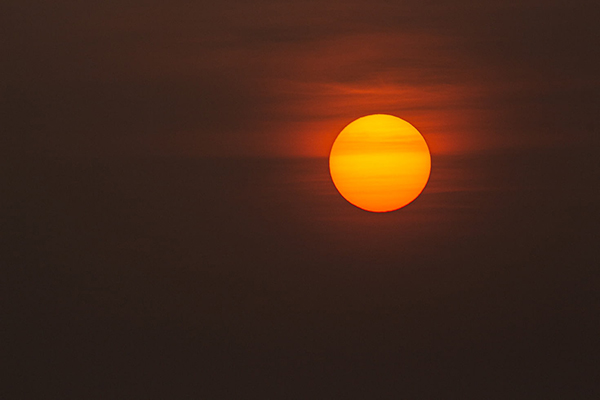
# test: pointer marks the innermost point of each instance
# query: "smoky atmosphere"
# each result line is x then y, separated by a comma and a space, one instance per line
173, 226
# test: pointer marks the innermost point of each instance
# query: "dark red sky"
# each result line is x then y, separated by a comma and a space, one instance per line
164, 237
282, 78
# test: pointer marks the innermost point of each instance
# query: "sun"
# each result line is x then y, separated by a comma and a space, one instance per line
380, 163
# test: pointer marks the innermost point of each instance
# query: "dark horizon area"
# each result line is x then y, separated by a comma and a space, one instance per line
253, 278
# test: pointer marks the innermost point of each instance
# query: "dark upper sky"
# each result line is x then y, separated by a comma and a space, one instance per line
232, 268
282, 78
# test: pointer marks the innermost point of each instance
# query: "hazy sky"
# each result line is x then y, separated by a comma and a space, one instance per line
207, 275
283, 78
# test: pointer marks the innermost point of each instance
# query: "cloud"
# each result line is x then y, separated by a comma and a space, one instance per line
281, 78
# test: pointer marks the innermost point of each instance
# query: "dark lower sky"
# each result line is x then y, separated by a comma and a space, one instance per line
170, 229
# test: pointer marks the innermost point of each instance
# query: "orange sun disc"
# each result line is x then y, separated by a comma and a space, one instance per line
380, 163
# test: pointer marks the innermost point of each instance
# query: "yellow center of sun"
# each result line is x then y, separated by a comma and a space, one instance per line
380, 163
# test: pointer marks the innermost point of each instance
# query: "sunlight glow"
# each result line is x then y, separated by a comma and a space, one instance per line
380, 163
